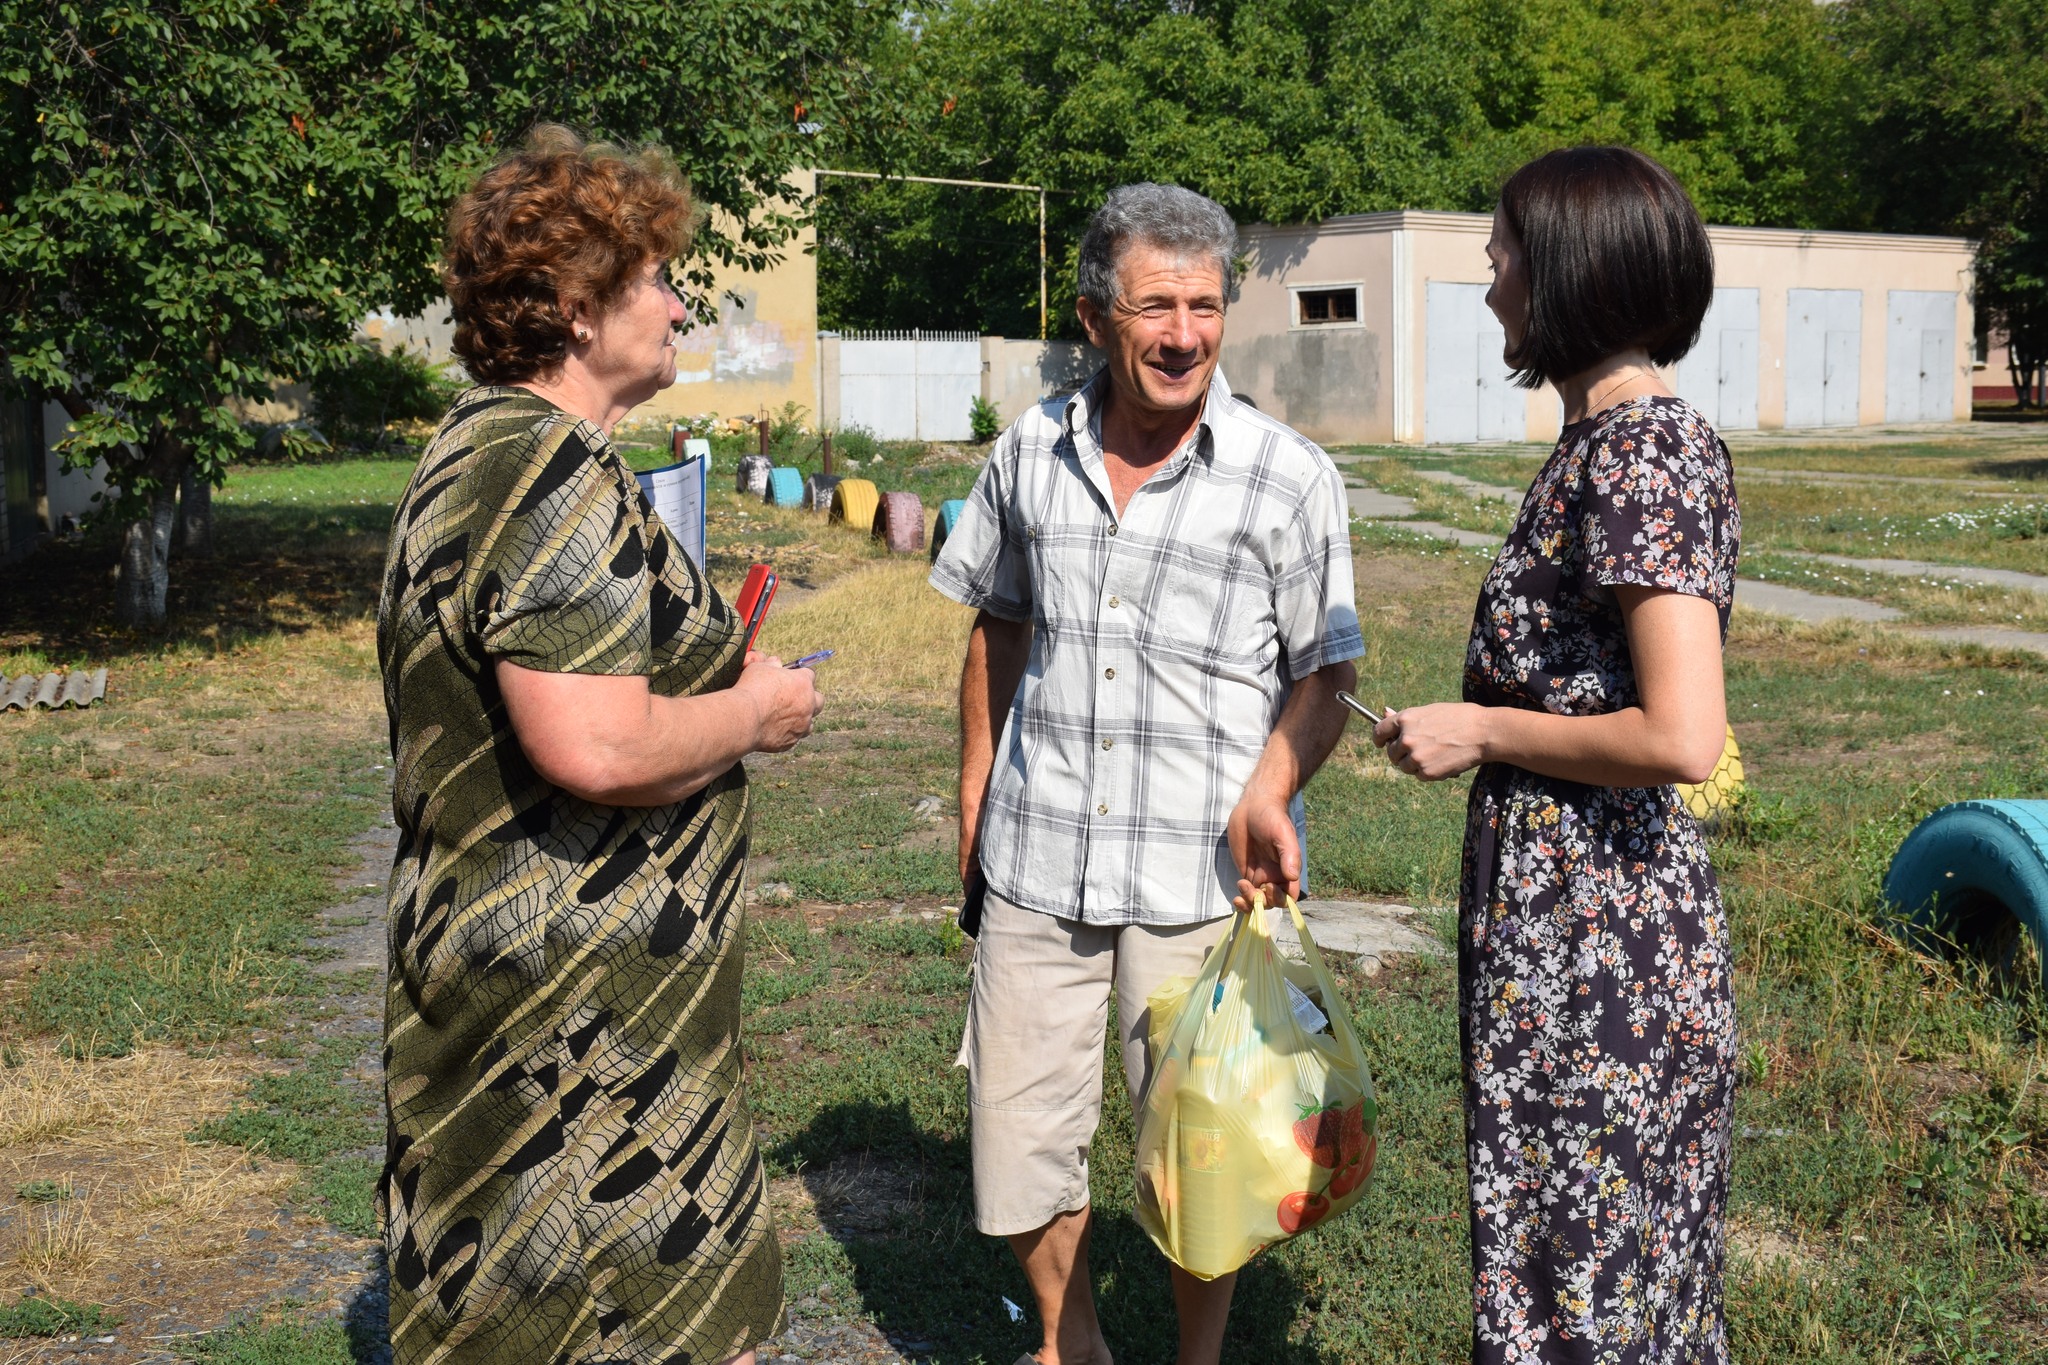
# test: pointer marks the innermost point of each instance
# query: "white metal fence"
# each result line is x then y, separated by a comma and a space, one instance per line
910, 386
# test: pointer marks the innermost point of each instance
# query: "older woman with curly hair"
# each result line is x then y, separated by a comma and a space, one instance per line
571, 1171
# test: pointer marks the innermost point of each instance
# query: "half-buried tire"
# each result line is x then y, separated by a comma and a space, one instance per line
899, 522
853, 503
818, 491
750, 475
1975, 874
785, 487
949, 517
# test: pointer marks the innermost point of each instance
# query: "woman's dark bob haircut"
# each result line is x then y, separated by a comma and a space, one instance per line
1615, 255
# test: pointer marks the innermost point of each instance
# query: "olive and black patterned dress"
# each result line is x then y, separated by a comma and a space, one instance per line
571, 1172
1595, 981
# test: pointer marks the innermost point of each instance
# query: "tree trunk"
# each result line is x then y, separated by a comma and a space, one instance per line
145, 576
194, 535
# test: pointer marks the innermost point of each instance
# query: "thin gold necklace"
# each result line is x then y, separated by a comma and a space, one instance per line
1593, 404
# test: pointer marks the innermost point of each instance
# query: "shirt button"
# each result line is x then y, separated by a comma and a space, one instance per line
1102, 810
1113, 602
1109, 673
1108, 743
1112, 530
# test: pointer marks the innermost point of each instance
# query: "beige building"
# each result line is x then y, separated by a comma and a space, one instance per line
1374, 328
758, 357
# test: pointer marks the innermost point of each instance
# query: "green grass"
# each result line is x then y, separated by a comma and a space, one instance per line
323, 1117
1891, 1104
2008, 530
51, 1317
288, 1341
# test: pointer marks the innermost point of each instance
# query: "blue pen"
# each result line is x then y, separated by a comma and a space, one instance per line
817, 658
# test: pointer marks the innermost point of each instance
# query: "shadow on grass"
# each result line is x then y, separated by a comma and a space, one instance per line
276, 570
2022, 470
936, 1286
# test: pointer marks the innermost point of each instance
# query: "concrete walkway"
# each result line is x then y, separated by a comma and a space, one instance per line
1370, 930
1931, 433
1751, 594
1967, 488
1472, 487
1945, 573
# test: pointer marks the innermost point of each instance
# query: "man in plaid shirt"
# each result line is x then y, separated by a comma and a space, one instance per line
1163, 580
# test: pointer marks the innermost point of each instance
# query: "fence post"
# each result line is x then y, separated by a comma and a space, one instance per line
762, 423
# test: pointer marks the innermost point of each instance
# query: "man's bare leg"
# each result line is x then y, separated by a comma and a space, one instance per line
1204, 1308
1055, 1261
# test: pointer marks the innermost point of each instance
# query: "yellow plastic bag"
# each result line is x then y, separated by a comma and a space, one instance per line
1256, 1125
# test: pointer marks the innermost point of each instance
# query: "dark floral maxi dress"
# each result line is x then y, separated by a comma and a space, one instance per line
1595, 992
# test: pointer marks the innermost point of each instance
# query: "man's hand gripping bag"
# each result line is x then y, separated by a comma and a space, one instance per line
1257, 1124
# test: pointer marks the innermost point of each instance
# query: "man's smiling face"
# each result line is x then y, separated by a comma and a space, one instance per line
1163, 334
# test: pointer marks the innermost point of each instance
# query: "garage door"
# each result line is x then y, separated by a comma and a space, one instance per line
1467, 392
1920, 355
910, 386
1718, 376
1823, 356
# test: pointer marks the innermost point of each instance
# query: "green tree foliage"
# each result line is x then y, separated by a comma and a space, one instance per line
199, 197
1952, 101
1290, 112
162, 248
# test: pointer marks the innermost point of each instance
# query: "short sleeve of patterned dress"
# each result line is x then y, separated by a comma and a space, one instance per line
1658, 509
561, 581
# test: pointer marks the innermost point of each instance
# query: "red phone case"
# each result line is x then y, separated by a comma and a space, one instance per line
755, 595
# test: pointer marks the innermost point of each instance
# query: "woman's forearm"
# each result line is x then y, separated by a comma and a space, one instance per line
1623, 748
684, 744
613, 741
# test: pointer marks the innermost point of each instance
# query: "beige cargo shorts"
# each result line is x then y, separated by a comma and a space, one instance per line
1037, 1018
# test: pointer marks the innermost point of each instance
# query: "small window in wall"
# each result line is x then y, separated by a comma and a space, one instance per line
1324, 307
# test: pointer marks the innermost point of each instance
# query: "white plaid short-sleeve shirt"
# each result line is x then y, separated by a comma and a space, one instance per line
1164, 645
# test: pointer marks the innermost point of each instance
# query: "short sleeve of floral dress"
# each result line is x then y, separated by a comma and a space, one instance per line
571, 1171
1594, 971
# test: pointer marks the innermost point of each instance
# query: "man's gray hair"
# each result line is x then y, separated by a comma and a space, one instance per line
1174, 219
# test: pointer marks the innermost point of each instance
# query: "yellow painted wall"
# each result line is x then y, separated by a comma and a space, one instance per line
762, 353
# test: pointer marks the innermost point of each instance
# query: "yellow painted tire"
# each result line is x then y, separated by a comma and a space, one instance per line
1712, 800
854, 502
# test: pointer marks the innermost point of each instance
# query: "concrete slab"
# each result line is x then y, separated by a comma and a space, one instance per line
1374, 505
1436, 530
1929, 433
1496, 491
1992, 637
1962, 488
1360, 928
1943, 573
1813, 608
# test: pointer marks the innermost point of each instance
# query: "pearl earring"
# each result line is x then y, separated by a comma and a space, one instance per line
582, 334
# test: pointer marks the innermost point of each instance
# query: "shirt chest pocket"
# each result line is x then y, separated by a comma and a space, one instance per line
1066, 562
1215, 596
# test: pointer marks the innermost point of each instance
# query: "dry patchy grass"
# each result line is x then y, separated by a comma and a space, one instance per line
114, 1132
897, 640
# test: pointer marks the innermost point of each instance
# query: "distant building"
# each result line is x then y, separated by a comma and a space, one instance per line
38, 495
758, 357
1374, 328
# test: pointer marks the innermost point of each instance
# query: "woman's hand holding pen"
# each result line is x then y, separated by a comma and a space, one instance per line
1436, 741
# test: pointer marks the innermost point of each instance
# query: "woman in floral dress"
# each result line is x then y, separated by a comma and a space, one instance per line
1595, 983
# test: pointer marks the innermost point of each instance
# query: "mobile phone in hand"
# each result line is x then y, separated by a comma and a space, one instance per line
755, 595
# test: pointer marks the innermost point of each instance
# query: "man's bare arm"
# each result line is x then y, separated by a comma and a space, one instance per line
997, 653
1261, 832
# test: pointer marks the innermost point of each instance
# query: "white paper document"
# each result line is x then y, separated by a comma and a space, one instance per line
676, 491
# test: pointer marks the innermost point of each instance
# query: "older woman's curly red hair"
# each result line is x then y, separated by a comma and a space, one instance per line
558, 221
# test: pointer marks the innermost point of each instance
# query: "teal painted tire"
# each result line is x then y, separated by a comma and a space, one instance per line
785, 486
1975, 874
949, 517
